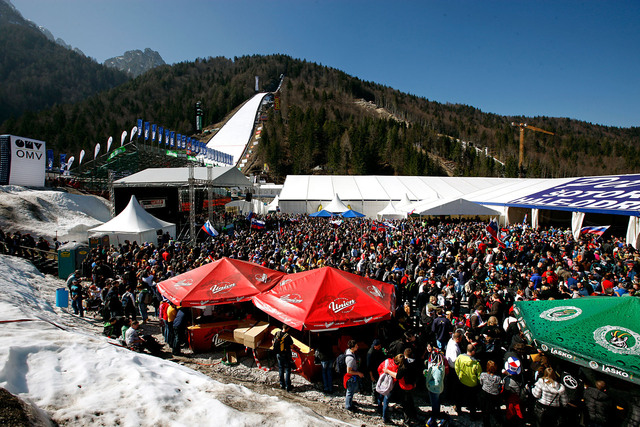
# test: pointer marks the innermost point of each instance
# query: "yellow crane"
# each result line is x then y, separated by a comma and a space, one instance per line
522, 127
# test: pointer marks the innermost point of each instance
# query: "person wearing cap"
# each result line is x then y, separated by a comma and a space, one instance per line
513, 391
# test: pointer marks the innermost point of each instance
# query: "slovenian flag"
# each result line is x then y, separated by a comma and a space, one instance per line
257, 224
594, 230
208, 228
492, 228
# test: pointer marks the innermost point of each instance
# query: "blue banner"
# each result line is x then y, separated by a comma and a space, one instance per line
139, 127
184, 142
146, 131
189, 144
167, 137
173, 139
160, 134
589, 194
63, 162
49, 159
153, 132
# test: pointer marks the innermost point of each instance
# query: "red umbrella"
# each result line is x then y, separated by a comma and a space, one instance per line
223, 281
327, 298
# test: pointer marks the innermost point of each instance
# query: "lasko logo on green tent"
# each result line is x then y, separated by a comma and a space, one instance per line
560, 314
618, 339
612, 370
557, 352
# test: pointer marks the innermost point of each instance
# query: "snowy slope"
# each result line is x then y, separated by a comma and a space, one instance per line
235, 134
81, 379
50, 213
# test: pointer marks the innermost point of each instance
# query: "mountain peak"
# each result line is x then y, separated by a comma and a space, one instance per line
136, 62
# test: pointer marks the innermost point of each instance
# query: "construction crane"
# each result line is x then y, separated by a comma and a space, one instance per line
522, 127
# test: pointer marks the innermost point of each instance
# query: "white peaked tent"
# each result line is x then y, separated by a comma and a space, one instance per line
404, 203
273, 206
390, 212
133, 224
336, 205
452, 206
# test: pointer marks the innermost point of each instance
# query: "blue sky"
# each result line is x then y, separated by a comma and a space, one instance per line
576, 59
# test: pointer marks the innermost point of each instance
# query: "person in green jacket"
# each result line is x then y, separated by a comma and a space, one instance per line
468, 370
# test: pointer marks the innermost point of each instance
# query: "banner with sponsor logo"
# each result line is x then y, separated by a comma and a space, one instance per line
160, 134
123, 137
146, 130
49, 159
167, 137
601, 333
23, 161
139, 128
598, 194
109, 142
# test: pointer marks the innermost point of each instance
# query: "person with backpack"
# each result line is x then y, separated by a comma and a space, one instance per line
351, 378
435, 377
129, 304
389, 368
282, 343
144, 299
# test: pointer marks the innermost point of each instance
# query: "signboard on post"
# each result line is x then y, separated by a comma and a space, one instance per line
22, 161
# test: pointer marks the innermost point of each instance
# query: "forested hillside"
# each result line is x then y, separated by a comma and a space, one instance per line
333, 123
36, 73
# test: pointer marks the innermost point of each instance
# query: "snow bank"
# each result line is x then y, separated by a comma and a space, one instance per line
82, 379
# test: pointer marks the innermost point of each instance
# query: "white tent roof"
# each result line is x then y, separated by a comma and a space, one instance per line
336, 205
391, 212
403, 203
382, 188
222, 177
451, 206
273, 206
132, 220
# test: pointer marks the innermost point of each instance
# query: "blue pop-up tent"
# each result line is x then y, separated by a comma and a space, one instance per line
321, 214
351, 214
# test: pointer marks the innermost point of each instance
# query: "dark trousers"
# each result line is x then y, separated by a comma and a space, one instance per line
284, 370
469, 397
408, 405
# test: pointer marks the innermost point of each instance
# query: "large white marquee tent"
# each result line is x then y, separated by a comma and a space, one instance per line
512, 199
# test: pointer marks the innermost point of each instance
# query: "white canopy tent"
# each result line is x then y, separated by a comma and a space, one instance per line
336, 205
273, 206
133, 224
391, 212
404, 203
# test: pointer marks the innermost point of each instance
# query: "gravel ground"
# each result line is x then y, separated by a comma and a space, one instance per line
246, 373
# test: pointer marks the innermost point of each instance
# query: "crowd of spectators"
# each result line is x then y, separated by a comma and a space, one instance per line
454, 285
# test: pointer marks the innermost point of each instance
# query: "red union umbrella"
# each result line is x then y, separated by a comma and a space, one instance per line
223, 281
327, 298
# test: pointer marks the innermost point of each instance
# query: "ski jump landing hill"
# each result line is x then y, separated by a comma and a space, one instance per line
236, 134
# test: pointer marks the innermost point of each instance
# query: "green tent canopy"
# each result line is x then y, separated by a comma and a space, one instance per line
602, 333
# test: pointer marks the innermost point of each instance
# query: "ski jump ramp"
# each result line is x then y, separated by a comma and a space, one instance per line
236, 134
